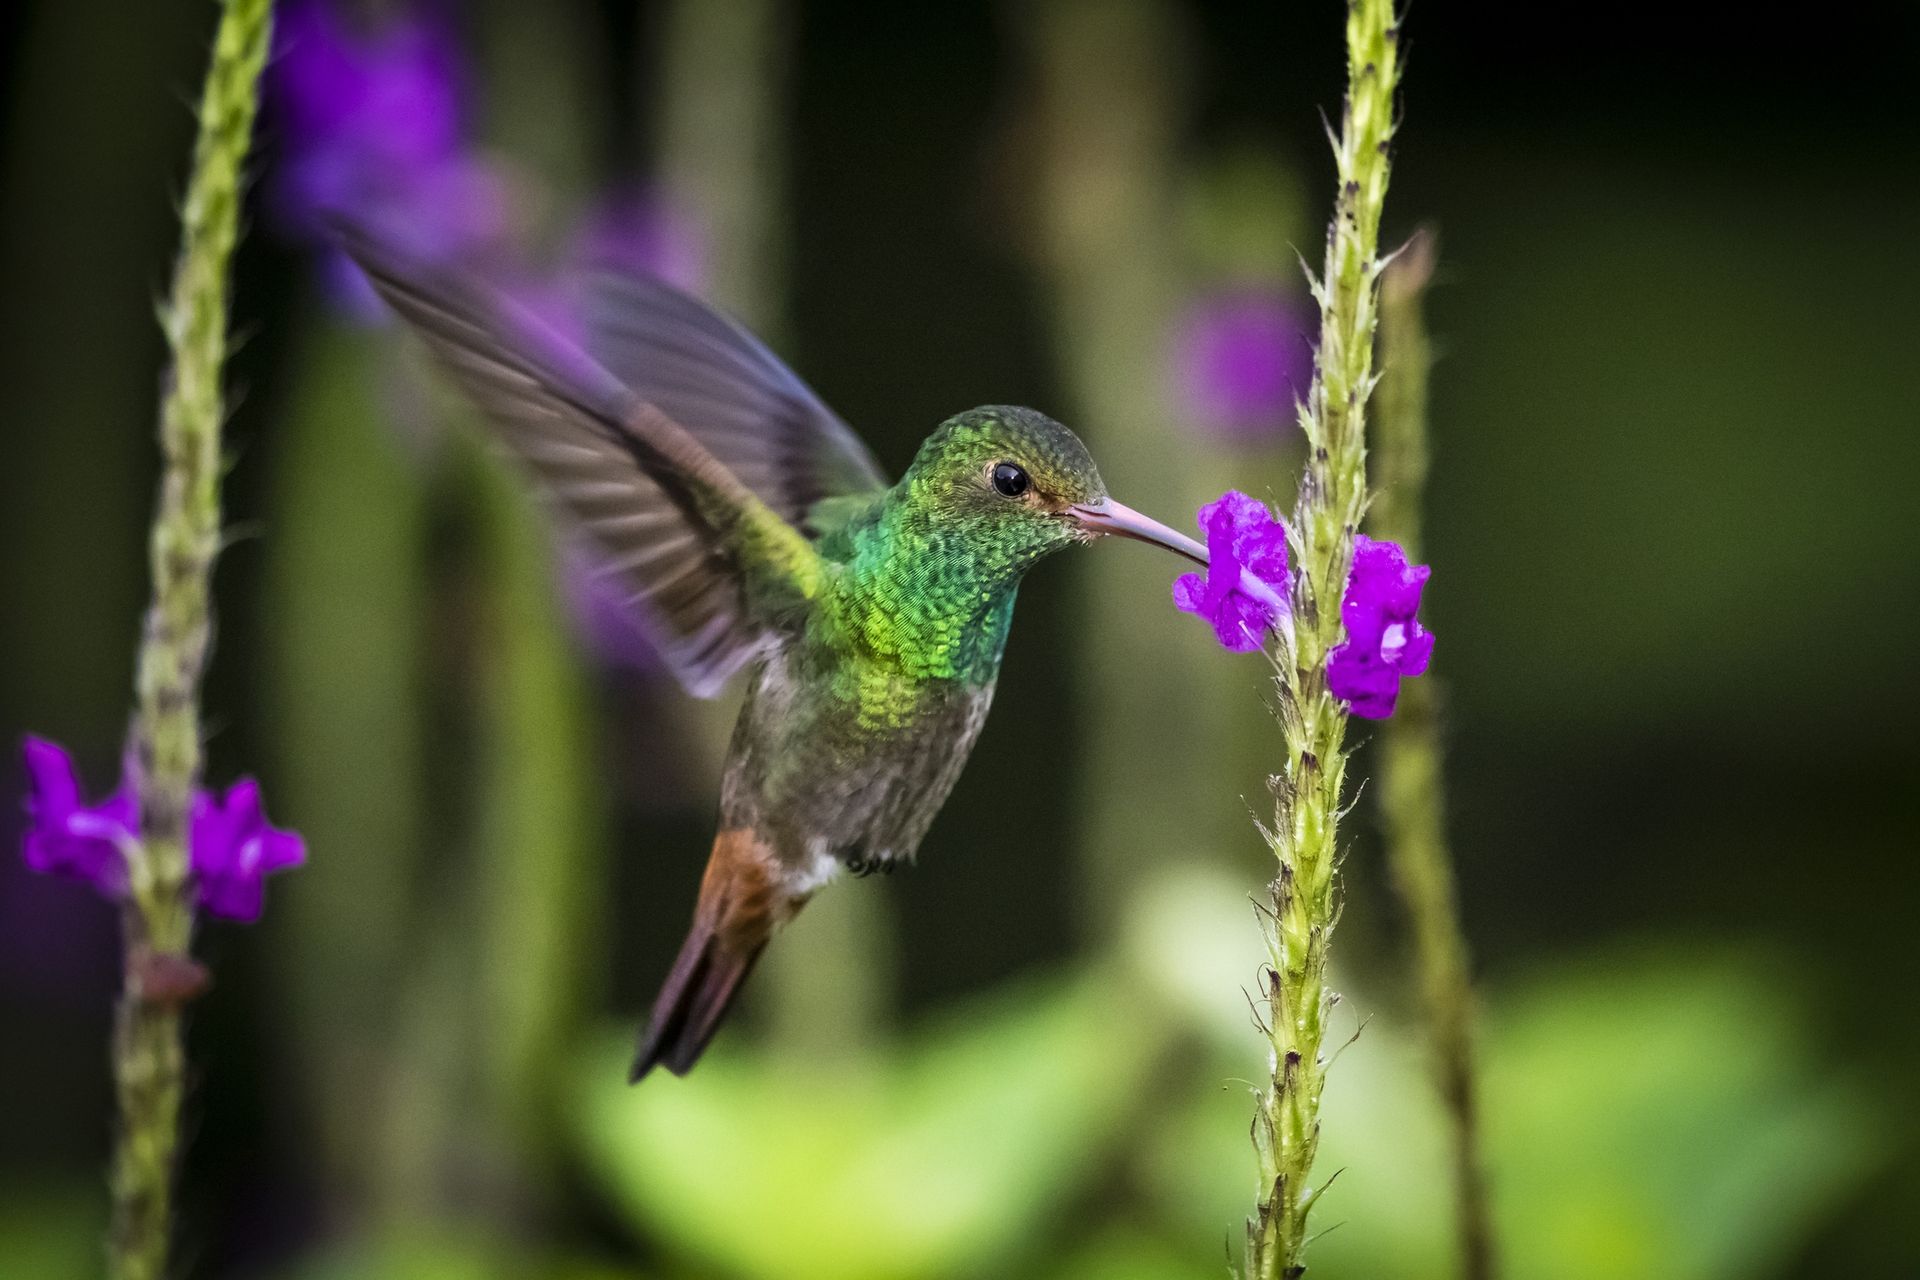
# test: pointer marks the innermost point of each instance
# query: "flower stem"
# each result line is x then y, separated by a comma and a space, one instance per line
1412, 791
1326, 514
149, 1061
1400, 423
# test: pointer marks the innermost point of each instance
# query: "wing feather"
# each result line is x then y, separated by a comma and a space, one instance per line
720, 382
698, 553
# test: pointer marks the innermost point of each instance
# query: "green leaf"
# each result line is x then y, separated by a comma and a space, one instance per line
946, 1156
1665, 1112
1649, 1111
426, 1255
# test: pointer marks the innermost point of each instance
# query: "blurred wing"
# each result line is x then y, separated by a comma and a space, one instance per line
691, 547
722, 384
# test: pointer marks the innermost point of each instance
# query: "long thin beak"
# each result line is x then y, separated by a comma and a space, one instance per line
1108, 516
1122, 521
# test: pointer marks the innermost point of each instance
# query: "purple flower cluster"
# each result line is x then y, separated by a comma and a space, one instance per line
231, 846
1241, 359
1384, 643
372, 124
1242, 537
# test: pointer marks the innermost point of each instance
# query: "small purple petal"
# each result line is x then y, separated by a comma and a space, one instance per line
1242, 535
1385, 641
1369, 687
54, 781
1416, 652
66, 837
1190, 592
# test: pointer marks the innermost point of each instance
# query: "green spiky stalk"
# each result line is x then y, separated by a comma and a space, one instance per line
1332, 498
1412, 788
149, 1061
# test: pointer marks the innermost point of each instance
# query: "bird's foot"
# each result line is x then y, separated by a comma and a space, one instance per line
860, 868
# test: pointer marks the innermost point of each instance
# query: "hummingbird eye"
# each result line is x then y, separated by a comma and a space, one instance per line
1010, 480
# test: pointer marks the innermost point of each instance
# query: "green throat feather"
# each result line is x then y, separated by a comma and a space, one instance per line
930, 568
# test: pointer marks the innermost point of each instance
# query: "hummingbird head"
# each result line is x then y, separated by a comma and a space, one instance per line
1016, 485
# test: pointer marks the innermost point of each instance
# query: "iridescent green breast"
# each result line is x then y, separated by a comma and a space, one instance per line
913, 605
923, 576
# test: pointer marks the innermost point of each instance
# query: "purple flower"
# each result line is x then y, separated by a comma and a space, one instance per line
67, 837
372, 124
235, 849
635, 233
387, 94
629, 234
1385, 642
231, 847
1242, 358
1243, 540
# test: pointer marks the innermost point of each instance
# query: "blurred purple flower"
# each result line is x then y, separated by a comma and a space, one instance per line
636, 233
235, 849
67, 837
1385, 642
1243, 538
630, 233
1242, 357
373, 126
231, 847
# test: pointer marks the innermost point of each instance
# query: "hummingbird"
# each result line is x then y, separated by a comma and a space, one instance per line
749, 527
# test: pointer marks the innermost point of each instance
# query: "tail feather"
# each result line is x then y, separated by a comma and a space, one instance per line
693, 1002
744, 898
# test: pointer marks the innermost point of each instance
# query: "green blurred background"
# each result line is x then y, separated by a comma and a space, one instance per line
1674, 423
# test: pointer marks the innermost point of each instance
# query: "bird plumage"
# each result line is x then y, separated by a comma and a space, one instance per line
748, 524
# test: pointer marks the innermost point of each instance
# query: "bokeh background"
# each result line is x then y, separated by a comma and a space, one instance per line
1674, 591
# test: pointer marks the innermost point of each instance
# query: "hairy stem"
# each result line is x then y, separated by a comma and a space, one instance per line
1412, 788
149, 1062
1327, 511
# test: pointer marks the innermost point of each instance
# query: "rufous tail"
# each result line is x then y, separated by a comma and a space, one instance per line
742, 903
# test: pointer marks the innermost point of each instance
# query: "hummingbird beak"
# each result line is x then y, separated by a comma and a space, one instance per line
1110, 517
